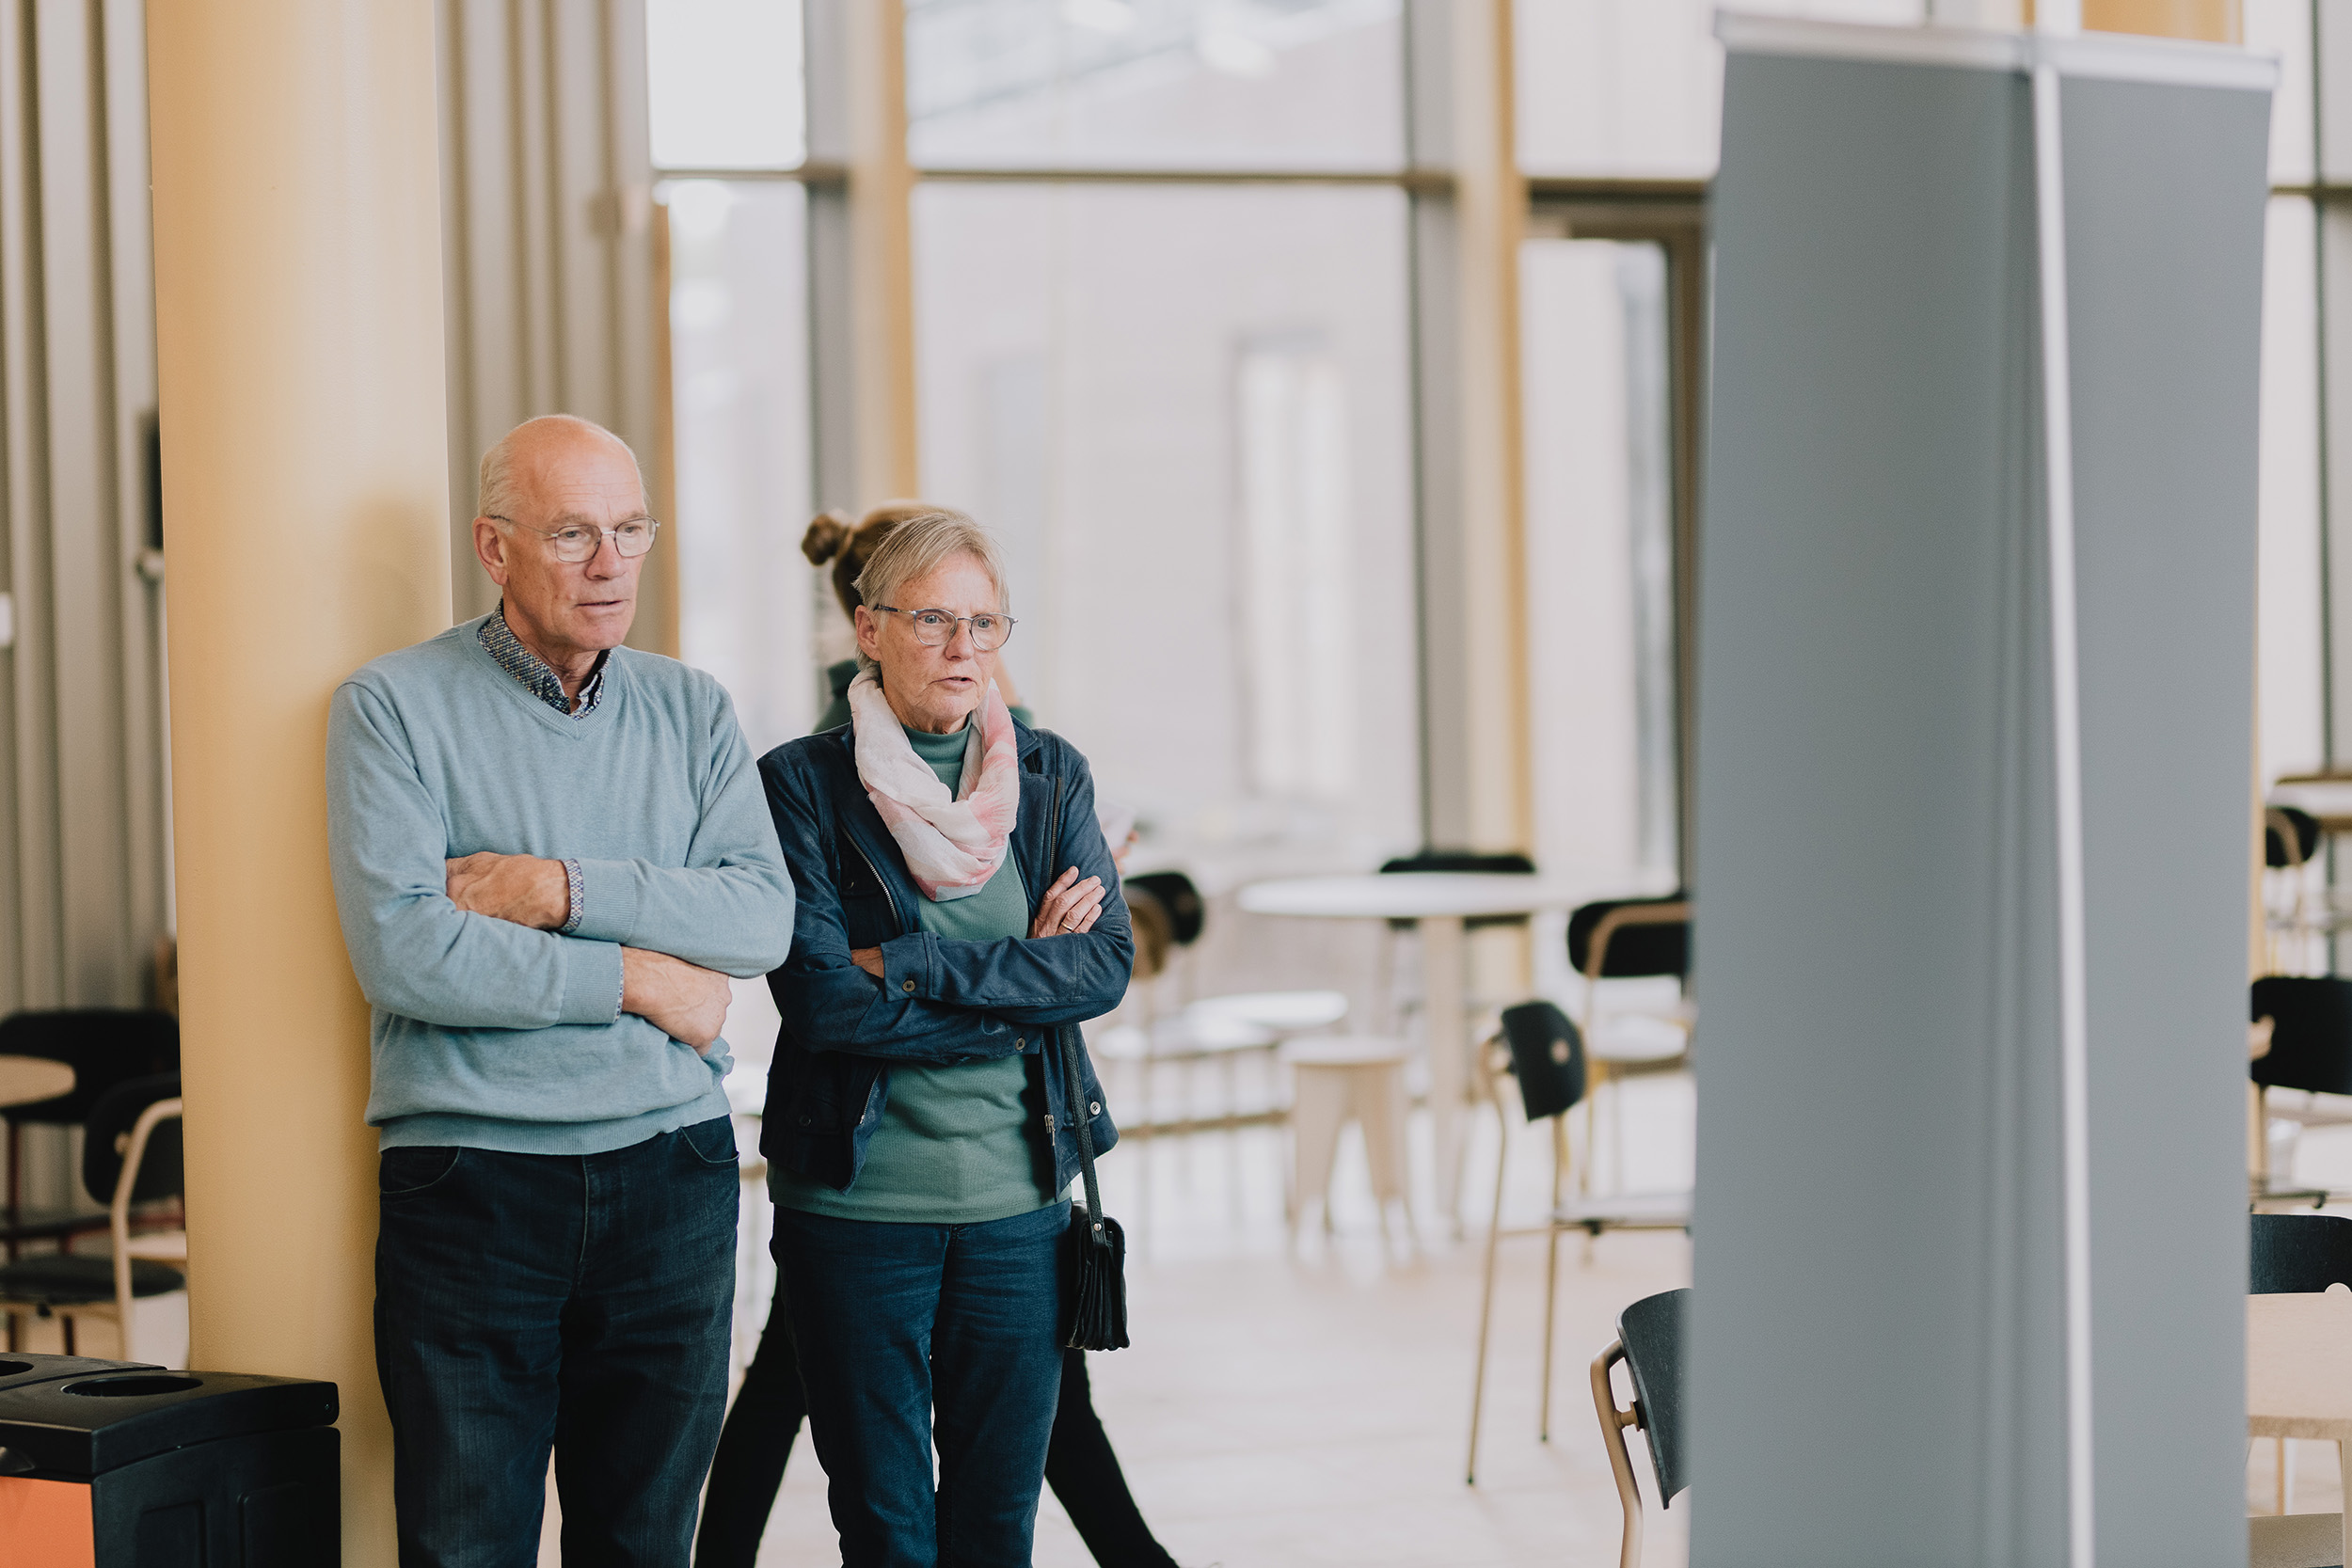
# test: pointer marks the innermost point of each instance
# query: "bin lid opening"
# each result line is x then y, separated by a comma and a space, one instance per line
131, 1387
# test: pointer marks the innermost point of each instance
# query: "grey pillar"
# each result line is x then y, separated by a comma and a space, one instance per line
1882, 1347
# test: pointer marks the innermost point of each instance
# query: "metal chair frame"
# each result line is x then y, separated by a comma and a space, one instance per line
1602, 1070
1654, 1211
168, 1246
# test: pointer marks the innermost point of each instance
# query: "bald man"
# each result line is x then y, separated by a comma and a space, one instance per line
549, 853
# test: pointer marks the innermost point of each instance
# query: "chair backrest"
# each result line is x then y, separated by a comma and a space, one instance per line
1547, 1057
1179, 897
1154, 931
107, 1135
2289, 836
1653, 1332
1505, 864
2298, 1253
2311, 1036
104, 1046
1632, 951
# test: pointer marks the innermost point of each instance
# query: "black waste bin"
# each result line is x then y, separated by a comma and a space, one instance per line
115, 1465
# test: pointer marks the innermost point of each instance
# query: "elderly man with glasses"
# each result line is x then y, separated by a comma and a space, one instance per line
550, 851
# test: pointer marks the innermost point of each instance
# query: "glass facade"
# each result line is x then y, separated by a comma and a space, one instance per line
1155, 83
725, 84
1186, 411
738, 326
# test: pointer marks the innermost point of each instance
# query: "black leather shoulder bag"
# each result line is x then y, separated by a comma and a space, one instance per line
1095, 1276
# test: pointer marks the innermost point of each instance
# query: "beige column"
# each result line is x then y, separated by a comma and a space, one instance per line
881, 286
299, 314
1490, 205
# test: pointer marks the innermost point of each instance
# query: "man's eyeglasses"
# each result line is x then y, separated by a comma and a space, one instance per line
578, 542
936, 628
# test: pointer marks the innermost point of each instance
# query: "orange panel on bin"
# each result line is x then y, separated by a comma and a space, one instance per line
45, 1523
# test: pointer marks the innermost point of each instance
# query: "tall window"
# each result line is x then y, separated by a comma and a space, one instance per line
740, 397
1600, 553
724, 81
1184, 408
1296, 570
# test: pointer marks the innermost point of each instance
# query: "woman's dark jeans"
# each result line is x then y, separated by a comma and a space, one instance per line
916, 1336
581, 1303
1079, 1463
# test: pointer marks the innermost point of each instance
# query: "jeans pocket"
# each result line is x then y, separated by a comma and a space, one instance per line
404, 1172
712, 1142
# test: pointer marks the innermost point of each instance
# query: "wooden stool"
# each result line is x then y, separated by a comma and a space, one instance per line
1339, 1079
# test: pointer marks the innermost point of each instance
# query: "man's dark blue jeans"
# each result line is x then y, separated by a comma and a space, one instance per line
581, 1303
911, 1335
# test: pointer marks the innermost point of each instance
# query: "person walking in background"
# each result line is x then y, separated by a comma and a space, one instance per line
953, 926
1080, 1464
550, 851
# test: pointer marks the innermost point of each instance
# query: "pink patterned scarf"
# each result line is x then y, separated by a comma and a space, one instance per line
952, 845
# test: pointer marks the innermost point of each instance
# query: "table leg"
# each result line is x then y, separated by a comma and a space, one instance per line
2343, 1463
1442, 959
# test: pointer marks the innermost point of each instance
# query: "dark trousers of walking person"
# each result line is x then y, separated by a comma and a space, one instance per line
1079, 1463
576, 1303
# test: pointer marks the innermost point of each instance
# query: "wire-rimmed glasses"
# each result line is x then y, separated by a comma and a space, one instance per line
936, 628
577, 541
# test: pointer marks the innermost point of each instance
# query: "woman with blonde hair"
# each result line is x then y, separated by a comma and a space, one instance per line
920, 1133
833, 537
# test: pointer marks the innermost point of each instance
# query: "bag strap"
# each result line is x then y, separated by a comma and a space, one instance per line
1074, 1105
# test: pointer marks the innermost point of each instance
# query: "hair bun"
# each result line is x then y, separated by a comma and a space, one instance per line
828, 535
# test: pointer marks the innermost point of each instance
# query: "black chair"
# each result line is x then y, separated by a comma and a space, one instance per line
1651, 1335
1630, 939
1168, 916
2310, 1053
2293, 908
1461, 861
1442, 862
2293, 1254
131, 1156
1544, 1052
2298, 1253
1633, 946
1176, 895
104, 1046
2290, 837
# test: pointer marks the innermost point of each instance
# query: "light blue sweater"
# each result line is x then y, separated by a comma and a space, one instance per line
492, 1034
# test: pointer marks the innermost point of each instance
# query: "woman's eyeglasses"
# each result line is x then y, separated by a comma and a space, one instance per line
936, 628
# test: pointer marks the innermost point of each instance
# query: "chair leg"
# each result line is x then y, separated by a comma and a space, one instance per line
1487, 1300
1596, 1079
1616, 1138
1612, 1424
1551, 1287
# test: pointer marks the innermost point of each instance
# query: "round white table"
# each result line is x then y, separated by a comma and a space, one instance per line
30, 1080
1438, 902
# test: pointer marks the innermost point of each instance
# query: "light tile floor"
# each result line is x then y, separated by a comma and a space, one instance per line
1310, 1405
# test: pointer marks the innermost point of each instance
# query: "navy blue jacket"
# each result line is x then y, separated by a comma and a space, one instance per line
940, 1001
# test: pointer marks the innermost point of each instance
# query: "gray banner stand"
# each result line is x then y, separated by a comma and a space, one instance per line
1974, 746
